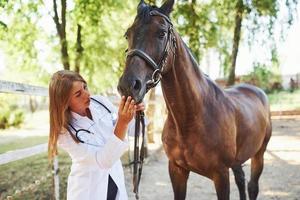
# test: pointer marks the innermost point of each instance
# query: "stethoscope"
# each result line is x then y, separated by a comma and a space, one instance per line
81, 133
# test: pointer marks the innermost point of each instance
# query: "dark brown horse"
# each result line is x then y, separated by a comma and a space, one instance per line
208, 130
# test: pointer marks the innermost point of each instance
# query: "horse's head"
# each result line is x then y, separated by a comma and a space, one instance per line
151, 44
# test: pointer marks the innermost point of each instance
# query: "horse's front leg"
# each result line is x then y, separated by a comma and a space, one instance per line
179, 178
221, 181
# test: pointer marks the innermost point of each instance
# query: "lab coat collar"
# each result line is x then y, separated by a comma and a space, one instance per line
82, 120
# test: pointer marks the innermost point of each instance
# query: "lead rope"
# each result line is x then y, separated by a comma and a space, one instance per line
138, 153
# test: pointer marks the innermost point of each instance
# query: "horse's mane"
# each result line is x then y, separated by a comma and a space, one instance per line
217, 90
192, 57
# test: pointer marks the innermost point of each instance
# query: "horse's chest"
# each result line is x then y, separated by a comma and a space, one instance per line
186, 152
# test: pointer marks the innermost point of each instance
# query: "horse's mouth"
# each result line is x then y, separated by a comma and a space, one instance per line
138, 98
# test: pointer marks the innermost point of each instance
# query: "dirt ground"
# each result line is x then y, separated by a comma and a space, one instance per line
280, 179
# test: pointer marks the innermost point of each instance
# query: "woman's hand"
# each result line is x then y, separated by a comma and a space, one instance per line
127, 109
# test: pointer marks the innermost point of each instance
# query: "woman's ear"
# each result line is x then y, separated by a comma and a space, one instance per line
167, 7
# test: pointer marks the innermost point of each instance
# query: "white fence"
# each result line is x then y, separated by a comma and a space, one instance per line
24, 89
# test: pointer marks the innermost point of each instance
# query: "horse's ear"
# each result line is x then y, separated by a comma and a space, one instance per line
167, 7
141, 5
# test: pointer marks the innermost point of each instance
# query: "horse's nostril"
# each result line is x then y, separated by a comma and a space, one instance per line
137, 85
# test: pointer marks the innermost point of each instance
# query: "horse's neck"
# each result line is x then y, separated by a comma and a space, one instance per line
185, 87
183, 84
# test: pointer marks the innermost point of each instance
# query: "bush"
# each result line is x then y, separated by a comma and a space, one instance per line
10, 115
4, 120
16, 118
264, 78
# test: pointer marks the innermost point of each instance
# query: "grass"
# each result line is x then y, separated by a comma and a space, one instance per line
23, 143
31, 178
285, 100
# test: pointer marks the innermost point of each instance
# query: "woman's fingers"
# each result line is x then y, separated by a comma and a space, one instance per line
122, 103
128, 108
131, 107
127, 103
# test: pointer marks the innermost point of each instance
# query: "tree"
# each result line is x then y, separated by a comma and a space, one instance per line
221, 25
262, 15
19, 38
240, 8
203, 25
88, 36
60, 23
98, 46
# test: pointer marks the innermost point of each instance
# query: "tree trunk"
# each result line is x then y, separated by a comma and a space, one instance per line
150, 115
79, 49
61, 31
236, 40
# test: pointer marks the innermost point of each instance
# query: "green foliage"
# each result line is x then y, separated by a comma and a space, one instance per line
204, 24
210, 24
32, 49
265, 7
264, 78
32, 53
11, 118
104, 48
20, 38
10, 115
3, 2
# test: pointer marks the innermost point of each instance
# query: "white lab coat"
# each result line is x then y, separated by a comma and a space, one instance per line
92, 165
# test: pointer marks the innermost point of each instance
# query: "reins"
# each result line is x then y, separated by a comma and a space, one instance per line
139, 153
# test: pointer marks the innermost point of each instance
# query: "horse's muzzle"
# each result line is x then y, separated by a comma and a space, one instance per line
131, 87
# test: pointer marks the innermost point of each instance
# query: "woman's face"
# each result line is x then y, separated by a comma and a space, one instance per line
80, 98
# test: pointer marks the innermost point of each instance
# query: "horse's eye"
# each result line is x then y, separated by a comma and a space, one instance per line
162, 34
126, 50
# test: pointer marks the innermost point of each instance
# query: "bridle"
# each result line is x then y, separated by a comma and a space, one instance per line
157, 68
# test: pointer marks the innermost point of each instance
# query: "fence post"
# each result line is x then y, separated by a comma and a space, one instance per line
56, 177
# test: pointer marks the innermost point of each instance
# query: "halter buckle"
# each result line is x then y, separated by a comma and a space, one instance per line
156, 77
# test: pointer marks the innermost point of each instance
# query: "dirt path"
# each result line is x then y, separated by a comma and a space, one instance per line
280, 179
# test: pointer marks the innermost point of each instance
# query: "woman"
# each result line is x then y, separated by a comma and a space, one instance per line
92, 131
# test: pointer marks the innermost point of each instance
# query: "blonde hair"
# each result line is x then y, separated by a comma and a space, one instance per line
59, 96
